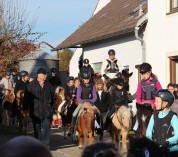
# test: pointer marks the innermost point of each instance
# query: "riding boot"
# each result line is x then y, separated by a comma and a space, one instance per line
71, 130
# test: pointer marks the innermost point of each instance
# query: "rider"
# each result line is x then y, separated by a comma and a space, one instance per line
70, 90
22, 83
145, 93
87, 68
86, 92
110, 67
53, 78
162, 127
118, 96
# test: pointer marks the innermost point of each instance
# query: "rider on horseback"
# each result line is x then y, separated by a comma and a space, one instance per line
145, 95
86, 92
163, 128
110, 67
70, 90
118, 96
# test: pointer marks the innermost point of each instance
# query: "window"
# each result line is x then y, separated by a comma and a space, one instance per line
97, 67
173, 69
173, 5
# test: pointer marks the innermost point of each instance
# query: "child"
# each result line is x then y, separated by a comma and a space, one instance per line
70, 90
85, 92
102, 100
145, 95
162, 127
86, 68
118, 96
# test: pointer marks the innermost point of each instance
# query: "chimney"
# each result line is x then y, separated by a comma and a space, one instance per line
140, 10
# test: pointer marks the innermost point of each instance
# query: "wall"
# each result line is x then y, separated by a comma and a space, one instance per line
128, 52
162, 38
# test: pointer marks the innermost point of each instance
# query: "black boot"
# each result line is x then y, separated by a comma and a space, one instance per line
71, 130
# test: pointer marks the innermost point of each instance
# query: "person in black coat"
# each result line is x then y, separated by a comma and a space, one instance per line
53, 78
86, 68
39, 97
118, 96
70, 90
22, 83
102, 103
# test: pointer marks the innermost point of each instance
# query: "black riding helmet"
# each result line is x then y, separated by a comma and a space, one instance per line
111, 52
165, 95
70, 78
119, 81
145, 67
8, 73
24, 73
86, 75
53, 70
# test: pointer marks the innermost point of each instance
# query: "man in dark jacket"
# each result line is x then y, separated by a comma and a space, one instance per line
39, 97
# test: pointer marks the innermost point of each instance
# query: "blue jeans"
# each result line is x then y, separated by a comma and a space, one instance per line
42, 129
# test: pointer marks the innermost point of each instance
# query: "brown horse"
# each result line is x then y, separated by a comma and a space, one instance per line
85, 124
120, 125
7, 103
22, 118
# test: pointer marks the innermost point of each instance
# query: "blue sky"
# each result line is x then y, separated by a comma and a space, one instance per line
59, 18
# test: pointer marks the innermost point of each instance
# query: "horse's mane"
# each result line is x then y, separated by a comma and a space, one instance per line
122, 116
20, 94
60, 95
89, 107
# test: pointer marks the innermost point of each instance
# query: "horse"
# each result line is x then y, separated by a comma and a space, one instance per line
22, 119
121, 123
85, 124
7, 103
64, 109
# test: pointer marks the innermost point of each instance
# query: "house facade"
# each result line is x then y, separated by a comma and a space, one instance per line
162, 39
112, 27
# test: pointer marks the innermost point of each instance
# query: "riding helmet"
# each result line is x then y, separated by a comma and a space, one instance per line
111, 52
23, 73
86, 61
70, 78
8, 73
165, 95
86, 75
145, 67
119, 81
53, 70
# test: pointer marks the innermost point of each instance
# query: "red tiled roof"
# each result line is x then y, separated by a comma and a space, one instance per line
114, 19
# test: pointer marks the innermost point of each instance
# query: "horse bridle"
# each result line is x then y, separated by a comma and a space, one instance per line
119, 119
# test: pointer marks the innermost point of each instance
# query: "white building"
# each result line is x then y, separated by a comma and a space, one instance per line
112, 27
162, 39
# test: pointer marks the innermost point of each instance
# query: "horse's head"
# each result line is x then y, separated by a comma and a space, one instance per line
20, 94
143, 147
122, 117
60, 95
9, 95
88, 114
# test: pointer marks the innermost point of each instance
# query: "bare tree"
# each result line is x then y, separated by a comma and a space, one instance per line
16, 35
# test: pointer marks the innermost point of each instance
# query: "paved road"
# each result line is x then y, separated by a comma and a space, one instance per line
61, 147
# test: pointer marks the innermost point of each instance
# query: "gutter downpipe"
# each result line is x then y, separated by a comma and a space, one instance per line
140, 22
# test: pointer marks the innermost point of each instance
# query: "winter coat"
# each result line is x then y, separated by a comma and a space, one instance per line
102, 103
20, 85
39, 100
